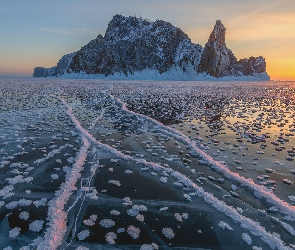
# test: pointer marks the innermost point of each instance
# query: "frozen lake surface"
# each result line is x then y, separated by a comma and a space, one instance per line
92, 164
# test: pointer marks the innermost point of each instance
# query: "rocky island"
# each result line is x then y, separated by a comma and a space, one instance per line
137, 48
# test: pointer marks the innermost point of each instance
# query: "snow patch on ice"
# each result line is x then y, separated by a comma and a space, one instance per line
83, 234
36, 226
107, 223
246, 237
168, 233
14, 232
224, 225
111, 237
133, 232
24, 215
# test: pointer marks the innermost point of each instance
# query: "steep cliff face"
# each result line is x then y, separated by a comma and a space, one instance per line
60, 69
132, 45
251, 65
218, 61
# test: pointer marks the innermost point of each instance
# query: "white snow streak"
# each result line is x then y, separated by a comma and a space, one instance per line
263, 191
56, 214
254, 227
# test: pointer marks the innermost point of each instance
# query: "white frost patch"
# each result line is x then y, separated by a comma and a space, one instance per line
40, 203
115, 212
21, 202
51, 154
140, 208
168, 233
107, 223
288, 227
83, 234
140, 217
91, 220
115, 183
146, 247
224, 225
19, 179
88, 223
128, 172
93, 217
292, 198
187, 197
155, 246
36, 226
14, 232
136, 209
133, 232
121, 230
6, 190
25, 248
132, 212
179, 217
3, 163
111, 237
54, 176
24, 215
246, 237
163, 179
82, 248
127, 202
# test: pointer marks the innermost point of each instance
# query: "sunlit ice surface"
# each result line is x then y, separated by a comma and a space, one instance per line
88, 164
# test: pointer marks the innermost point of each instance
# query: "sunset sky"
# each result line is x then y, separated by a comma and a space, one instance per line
37, 33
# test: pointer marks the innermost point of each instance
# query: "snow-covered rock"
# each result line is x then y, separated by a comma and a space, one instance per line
144, 49
219, 61
59, 69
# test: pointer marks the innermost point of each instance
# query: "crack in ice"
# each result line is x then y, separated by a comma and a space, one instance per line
246, 223
249, 183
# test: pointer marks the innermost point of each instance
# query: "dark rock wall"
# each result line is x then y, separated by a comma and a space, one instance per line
133, 44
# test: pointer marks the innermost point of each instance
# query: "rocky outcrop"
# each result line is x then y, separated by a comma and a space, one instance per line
251, 65
132, 45
60, 69
218, 61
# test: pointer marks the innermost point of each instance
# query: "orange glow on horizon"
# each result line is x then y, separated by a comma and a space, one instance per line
253, 28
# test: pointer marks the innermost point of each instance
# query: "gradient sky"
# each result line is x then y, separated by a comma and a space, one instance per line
38, 32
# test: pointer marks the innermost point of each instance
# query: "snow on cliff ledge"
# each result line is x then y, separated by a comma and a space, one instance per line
139, 49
